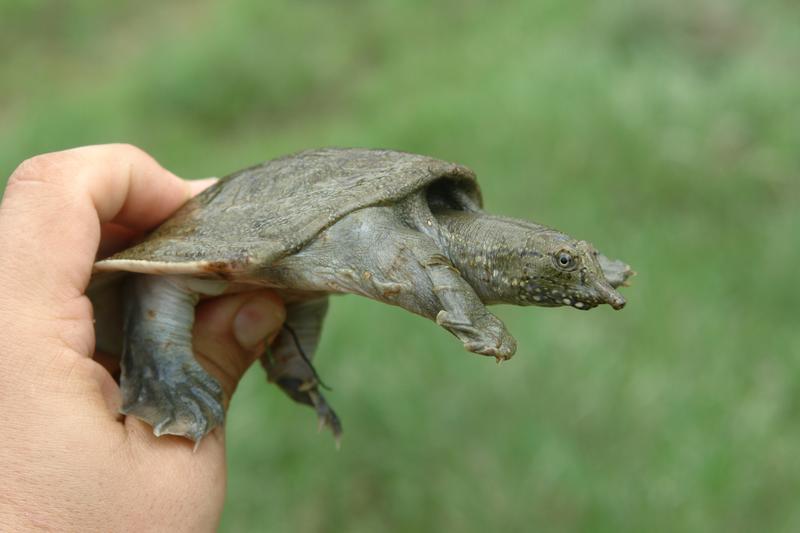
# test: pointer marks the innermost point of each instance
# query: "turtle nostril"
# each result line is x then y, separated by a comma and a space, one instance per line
607, 294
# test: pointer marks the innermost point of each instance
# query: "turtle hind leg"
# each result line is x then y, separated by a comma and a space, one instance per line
288, 360
161, 381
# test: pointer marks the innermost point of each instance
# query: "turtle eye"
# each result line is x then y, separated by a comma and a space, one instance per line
565, 260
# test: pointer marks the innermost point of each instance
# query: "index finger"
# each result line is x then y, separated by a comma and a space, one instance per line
54, 206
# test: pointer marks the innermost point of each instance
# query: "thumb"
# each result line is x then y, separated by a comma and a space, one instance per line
230, 333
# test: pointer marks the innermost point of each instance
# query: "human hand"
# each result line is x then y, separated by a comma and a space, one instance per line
69, 461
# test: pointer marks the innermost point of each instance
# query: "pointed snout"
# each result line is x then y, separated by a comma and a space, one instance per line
609, 295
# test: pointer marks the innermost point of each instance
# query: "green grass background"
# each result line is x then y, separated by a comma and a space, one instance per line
666, 133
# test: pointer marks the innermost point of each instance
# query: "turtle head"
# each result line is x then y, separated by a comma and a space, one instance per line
513, 261
558, 270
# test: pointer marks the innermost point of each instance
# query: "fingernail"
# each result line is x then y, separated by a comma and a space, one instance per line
256, 320
198, 186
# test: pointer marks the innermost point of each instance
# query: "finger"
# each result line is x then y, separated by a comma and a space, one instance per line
115, 237
230, 333
55, 204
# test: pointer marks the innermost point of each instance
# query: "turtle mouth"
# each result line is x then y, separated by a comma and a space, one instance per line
582, 298
582, 302
585, 300
584, 305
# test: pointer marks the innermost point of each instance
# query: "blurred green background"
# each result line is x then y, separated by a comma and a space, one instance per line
666, 133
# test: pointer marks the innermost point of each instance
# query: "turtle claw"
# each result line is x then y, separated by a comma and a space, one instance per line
485, 336
186, 403
326, 416
307, 393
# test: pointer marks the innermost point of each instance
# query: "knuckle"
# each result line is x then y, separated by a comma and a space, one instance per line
128, 151
39, 168
52, 167
36, 176
127, 147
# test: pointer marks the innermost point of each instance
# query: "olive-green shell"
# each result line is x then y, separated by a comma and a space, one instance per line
262, 213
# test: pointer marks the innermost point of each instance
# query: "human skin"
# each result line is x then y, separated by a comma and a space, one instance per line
69, 461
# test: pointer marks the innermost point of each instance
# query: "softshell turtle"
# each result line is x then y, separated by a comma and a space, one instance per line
403, 229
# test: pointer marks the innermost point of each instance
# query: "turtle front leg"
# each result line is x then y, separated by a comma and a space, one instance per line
407, 268
162, 383
462, 312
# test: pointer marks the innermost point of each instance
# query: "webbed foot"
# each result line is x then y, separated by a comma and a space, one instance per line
176, 398
486, 335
